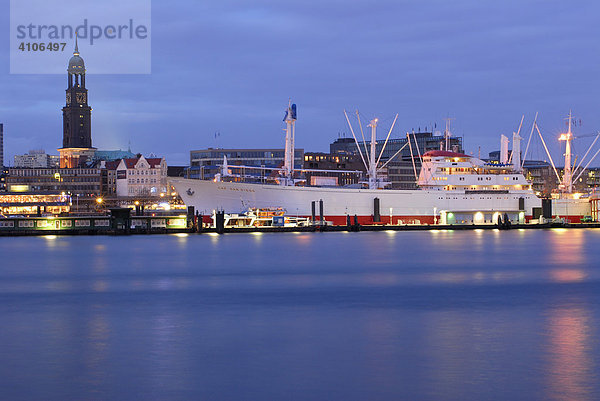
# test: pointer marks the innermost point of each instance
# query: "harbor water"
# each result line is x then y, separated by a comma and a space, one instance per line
431, 315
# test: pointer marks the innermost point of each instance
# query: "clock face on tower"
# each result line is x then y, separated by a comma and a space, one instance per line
68, 97
81, 98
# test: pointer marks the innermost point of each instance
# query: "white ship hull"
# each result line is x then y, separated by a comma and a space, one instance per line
396, 206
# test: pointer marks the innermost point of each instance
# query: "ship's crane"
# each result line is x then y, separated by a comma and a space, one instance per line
372, 160
572, 171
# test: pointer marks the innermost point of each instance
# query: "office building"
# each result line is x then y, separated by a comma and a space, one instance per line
205, 163
141, 177
333, 169
1, 145
76, 181
35, 159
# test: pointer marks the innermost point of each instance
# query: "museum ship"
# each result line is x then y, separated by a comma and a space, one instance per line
454, 188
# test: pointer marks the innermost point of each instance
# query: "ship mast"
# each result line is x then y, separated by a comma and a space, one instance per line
371, 161
567, 180
372, 158
447, 133
290, 133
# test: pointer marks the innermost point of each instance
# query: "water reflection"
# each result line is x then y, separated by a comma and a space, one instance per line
96, 353
567, 275
567, 249
570, 373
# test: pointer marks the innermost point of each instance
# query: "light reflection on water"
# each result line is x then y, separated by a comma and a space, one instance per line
570, 355
393, 315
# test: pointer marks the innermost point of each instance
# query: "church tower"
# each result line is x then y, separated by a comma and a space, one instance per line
77, 117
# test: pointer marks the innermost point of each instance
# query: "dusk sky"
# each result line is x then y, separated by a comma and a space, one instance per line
230, 67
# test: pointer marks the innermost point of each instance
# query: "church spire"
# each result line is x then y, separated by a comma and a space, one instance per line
76, 51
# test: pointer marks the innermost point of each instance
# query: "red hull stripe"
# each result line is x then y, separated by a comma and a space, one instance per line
368, 220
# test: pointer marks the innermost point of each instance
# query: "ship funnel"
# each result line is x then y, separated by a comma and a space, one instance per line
503, 149
516, 152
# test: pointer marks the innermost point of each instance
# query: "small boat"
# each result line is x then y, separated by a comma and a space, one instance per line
263, 217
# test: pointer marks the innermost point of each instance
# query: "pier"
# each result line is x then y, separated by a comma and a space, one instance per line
147, 225
120, 221
408, 227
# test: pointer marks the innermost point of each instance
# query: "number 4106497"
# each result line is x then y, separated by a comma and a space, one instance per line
41, 47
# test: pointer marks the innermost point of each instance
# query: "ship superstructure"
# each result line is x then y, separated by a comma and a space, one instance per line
447, 171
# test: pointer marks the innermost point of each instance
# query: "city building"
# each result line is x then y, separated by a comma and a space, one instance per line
36, 159
74, 181
109, 177
111, 155
177, 171
81, 171
3, 174
141, 176
342, 169
77, 147
1, 145
53, 161
541, 175
76, 176
34, 204
205, 163
401, 173
425, 141
344, 145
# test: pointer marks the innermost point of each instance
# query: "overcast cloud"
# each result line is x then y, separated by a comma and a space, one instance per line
230, 66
